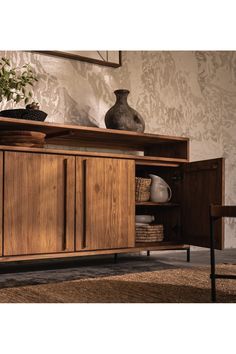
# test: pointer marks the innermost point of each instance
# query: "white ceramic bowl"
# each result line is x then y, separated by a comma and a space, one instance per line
145, 219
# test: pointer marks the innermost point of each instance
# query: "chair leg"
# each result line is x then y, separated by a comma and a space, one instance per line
148, 253
188, 254
212, 254
213, 279
213, 288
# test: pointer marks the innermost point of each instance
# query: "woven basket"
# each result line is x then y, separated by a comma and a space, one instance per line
149, 233
142, 189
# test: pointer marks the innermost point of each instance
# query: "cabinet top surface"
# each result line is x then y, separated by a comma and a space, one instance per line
64, 130
98, 138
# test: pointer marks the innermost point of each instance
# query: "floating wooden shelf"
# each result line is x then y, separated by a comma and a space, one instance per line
80, 136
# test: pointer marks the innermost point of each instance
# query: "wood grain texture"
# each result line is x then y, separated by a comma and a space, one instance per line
157, 161
1, 200
38, 203
80, 203
219, 211
61, 134
44, 188
203, 184
110, 203
88, 131
173, 149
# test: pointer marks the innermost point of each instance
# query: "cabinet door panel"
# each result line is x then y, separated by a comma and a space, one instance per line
80, 232
38, 203
1, 200
110, 203
203, 184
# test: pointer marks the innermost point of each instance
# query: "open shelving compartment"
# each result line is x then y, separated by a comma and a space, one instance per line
144, 147
168, 214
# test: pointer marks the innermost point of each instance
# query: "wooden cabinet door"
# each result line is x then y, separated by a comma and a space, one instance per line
109, 203
1, 199
38, 203
203, 184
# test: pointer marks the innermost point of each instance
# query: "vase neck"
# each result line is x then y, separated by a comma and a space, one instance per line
121, 96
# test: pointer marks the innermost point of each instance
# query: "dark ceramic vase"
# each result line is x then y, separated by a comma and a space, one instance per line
121, 116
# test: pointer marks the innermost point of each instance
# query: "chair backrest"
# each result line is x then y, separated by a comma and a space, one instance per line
220, 211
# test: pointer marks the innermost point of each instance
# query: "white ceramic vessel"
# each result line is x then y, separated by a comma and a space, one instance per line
144, 219
160, 190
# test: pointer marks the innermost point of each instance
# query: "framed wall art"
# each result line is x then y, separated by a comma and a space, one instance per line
104, 57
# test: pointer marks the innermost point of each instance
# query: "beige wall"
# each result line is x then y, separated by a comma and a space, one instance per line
178, 93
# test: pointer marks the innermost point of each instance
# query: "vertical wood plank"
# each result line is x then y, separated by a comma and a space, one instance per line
70, 204
80, 204
1, 201
203, 184
110, 203
38, 203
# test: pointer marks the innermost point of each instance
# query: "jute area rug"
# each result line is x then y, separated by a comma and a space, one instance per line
185, 285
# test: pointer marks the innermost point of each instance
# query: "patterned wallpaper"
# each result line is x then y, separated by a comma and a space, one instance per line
178, 93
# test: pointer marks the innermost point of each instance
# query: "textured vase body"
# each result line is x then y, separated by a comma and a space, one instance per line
121, 116
160, 190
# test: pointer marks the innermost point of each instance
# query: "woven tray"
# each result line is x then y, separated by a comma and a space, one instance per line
24, 113
149, 233
142, 189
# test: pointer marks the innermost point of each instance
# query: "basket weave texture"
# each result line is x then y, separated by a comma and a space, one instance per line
149, 233
142, 189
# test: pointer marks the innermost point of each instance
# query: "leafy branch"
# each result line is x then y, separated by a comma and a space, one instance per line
14, 82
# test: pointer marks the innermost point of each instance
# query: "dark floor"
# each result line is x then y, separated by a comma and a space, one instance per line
19, 274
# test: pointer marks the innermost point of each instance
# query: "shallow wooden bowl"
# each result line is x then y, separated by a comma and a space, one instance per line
22, 138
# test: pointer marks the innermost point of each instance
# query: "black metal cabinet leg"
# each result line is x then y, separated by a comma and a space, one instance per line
188, 254
148, 253
115, 258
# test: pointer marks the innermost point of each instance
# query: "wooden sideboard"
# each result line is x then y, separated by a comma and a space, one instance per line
65, 202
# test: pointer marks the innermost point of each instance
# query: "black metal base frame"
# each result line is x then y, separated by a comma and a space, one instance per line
47, 264
187, 249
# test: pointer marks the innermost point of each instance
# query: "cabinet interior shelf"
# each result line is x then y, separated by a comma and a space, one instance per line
142, 246
158, 204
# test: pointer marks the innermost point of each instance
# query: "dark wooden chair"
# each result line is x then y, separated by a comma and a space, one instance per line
216, 212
